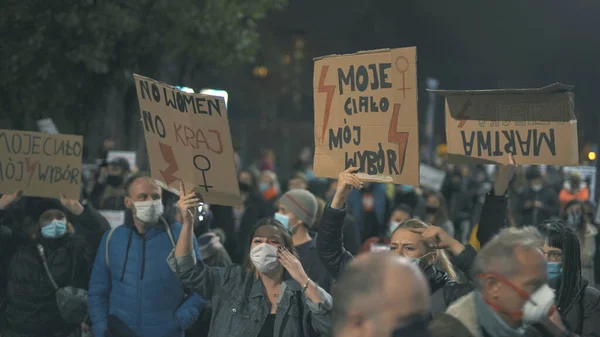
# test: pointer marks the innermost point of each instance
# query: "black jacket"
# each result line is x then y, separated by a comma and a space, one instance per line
335, 257
534, 216
30, 304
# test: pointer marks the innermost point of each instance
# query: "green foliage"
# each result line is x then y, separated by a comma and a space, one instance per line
59, 57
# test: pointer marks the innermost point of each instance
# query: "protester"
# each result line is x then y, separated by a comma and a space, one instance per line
130, 283
368, 205
297, 212
573, 189
370, 302
578, 216
297, 181
538, 202
350, 231
270, 295
459, 204
399, 214
269, 188
329, 241
511, 292
31, 308
436, 212
577, 302
108, 193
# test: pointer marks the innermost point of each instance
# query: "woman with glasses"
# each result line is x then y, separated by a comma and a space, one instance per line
577, 302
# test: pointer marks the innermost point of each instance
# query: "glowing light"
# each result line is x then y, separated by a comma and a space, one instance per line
592, 156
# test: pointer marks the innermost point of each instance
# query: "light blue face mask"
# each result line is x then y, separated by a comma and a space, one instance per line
263, 187
393, 226
406, 188
554, 270
54, 229
284, 219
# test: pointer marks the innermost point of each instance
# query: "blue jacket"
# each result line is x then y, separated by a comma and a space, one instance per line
139, 288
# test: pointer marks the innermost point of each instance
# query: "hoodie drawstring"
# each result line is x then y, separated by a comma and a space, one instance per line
126, 254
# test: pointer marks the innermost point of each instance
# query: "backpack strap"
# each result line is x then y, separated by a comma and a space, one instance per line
106, 259
438, 303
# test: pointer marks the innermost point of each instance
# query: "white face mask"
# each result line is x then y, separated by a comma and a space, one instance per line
537, 187
264, 257
538, 305
149, 211
393, 226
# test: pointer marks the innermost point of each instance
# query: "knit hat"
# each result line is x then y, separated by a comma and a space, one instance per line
302, 204
41, 205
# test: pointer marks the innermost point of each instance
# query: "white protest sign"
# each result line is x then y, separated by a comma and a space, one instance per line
130, 156
47, 125
430, 177
114, 218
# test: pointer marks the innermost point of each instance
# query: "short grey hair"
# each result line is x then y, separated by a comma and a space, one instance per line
499, 256
361, 286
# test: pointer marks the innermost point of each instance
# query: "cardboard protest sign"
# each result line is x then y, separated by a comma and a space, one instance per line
40, 164
188, 138
366, 115
538, 126
431, 178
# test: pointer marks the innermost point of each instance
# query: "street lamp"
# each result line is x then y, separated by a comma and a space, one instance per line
215, 92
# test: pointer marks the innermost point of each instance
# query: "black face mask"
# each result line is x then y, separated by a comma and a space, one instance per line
431, 210
114, 180
416, 328
244, 187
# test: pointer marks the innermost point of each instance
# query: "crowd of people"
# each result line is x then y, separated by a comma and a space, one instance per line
499, 252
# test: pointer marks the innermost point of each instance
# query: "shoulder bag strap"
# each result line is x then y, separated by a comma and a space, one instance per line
41, 252
106, 258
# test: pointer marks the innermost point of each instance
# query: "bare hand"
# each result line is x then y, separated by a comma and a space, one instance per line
292, 265
7, 199
73, 206
505, 175
346, 180
85, 327
187, 204
437, 238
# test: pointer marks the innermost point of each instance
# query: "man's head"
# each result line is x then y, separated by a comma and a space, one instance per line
378, 293
297, 208
509, 269
143, 198
298, 181
535, 178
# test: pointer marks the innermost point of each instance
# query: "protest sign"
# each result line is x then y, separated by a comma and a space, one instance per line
538, 126
588, 175
40, 164
130, 156
431, 178
114, 218
188, 138
366, 115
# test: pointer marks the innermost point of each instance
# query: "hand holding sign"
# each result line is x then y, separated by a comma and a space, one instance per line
437, 238
187, 204
7, 199
346, 181
505, 176
73, 206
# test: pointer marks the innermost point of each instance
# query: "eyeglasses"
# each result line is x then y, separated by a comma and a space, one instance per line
553, 255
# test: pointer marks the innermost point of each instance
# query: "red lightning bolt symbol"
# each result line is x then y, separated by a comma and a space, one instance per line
462, 113
30, 168
329, 90
400, 138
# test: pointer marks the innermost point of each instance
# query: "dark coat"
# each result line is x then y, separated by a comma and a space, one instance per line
30, 304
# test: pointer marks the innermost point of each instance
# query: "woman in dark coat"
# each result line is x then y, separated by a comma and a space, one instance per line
30, 304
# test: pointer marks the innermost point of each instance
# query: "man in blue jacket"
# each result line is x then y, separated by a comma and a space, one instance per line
132, 290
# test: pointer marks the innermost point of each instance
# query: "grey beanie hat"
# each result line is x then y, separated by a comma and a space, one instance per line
302, 204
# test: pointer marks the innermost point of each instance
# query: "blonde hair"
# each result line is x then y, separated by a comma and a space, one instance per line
439, 256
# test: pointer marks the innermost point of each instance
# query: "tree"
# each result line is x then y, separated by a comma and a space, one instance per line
62, 58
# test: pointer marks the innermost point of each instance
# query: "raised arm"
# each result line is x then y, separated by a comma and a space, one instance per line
192, 272
330, 239
495, 208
